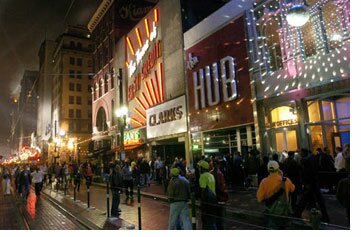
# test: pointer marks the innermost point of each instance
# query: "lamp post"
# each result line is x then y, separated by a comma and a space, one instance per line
121, 113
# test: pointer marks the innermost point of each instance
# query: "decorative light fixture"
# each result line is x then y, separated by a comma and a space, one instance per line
297, 15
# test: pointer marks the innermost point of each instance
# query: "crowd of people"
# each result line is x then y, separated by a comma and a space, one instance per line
294, 177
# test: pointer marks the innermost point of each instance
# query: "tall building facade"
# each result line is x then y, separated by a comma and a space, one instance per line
71, 94
301, 74
44, 92
28, 108
109, 23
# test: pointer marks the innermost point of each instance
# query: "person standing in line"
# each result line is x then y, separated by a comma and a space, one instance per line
158, 165
178, 193
128, 183
340, 163
38, 180
221, 193
207, 185
115, 187
271, 188
311, 187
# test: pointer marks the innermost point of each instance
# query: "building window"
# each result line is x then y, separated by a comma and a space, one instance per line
71, 73
270, 39
72, 44
78, 74
78, 113
72, 61
90, 76
71, 126
89, 114
112, 78
79, 45
78, 100
71, 86
90, 47
101, 88
329, 122
71, 113
332, 22
89, 88
90, 63
78, 87
79, 61
71, 100
309, 38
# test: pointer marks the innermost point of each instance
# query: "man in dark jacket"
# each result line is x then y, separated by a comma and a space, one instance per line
178, 193
115, 186
311, 188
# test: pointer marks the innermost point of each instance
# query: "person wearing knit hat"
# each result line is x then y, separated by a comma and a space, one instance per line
271, 189
178, 192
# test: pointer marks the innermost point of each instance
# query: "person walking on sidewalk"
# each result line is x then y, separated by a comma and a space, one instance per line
115, 187
127, 178
271, 191
25, 182
37, 176
6, 181
207, 185
178, 193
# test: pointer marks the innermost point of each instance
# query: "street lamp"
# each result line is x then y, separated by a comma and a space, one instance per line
122, 112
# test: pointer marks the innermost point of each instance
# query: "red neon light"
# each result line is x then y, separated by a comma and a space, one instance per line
140, 114
130, 45
136, 121
156, 15
140, 103
153, 91
160, 69
145, 99
147, 88
146, 23
139, 37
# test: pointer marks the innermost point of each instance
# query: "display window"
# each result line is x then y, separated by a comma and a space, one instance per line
329, 122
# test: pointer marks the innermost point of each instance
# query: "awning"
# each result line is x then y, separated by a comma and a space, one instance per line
127, 148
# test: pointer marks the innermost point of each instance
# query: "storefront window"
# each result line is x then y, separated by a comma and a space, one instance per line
343, 107
309, 38
328, 110
291, 138
283, 113
280, 143
316, 137
313, 111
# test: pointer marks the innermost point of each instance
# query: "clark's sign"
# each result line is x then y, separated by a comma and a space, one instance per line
167, 119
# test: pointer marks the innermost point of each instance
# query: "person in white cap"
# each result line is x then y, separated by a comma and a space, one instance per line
273, 187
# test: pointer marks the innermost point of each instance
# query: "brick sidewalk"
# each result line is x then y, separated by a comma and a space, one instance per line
92, 217
10, 218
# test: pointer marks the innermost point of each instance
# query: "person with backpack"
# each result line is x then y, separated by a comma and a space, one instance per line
221, 193
274, 191
115, 187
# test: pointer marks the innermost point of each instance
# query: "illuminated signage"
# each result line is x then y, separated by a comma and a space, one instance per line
167, 118
133, 137
206, 83
284, 123
145, 68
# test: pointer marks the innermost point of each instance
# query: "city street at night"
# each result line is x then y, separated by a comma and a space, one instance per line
131, 115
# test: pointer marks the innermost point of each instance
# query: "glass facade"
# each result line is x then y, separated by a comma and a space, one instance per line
329, 122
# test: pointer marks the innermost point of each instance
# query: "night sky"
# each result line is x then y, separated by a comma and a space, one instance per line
23, 26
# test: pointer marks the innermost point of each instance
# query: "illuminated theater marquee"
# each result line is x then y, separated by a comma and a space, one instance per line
145, 68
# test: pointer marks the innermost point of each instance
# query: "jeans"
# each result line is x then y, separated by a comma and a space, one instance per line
179, 216
115, 203
128, 186
38, 187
